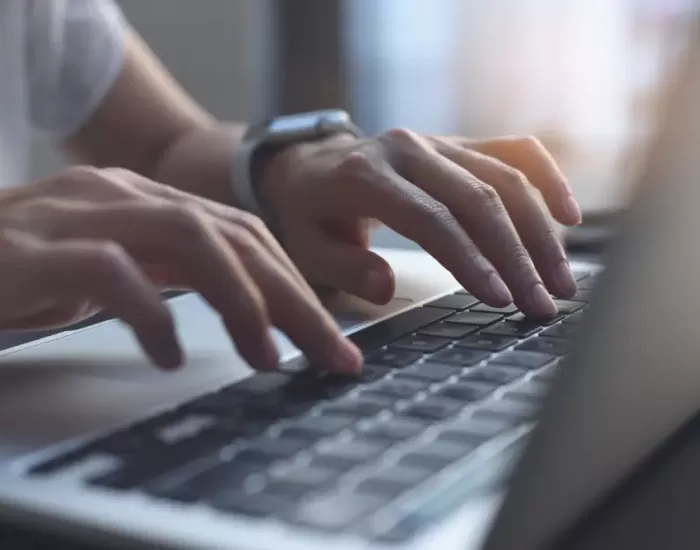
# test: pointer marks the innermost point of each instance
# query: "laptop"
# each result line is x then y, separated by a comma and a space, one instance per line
471, 428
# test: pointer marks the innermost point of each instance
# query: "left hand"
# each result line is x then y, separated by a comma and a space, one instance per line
470, 204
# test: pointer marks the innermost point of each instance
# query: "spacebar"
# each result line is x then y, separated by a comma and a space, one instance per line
405, 323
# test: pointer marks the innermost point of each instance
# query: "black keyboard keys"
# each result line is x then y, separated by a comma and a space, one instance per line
506, 410
467, 391
455, 302
426, 372
526, 359
394, 357
382, 333
514, 330
347, 454
394, 481
422, 343
488, 342
433, 409
508, 310
396, 388
495, 374
474, 318
561, 331
450, 331
458, 357
395, 429
545, 345
435, 455
316, 427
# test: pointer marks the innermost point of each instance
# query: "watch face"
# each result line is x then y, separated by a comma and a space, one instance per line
294, 123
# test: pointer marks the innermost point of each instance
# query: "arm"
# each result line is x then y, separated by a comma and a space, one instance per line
149, 124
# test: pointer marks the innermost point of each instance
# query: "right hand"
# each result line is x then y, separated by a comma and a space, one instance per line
91, 238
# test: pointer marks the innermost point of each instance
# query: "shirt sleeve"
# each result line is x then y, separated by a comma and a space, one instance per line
75, 52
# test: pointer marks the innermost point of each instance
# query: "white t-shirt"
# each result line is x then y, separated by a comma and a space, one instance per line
58, 60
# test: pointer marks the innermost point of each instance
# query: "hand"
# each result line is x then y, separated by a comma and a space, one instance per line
471, 204
90, 239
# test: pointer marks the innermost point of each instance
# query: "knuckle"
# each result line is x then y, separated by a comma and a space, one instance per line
186, 221
359, 164
401, 137
486, 196
106, 257
254, 225
515, 178
531, 143
246, 245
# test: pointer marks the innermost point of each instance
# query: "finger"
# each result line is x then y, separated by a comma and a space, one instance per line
302, 318
531, 222
172, 235
530, 157
479, 209
377, 191
346, 266
104, 273
223, 215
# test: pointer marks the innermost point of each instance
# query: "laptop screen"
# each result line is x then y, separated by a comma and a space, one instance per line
633, 377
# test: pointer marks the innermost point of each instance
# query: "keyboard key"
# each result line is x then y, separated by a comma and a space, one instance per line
526, 359
545, 345
297, 482
436, 455
316, 427
514, 330
495, 374
446, 330
455, 302
394, 429
561, 331
508, 310
394, 481
377, 336
568, 306
349, 454
334, 511
396, 358
433, 408
271, 449
252, 505
459, 357
422, 343
399, 389
426, 372
521, 318
364, 407
514, 412
467, 391
474, 318
201, 484
488, 342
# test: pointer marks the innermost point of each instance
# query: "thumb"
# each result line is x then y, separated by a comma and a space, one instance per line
348, 267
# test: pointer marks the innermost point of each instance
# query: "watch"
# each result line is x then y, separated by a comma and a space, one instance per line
278, 133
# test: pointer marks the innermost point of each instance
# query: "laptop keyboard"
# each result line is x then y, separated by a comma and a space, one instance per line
331, 452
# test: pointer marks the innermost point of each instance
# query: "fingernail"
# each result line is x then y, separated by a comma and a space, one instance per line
573, 210
170, 357
271, 356
565, 279
499, 288
542, 301
347, 358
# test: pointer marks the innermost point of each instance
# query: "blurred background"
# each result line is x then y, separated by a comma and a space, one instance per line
582, 75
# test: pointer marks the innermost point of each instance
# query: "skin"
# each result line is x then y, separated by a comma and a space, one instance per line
98, 237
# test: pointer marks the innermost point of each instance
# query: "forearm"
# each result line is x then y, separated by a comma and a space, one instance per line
200, 161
